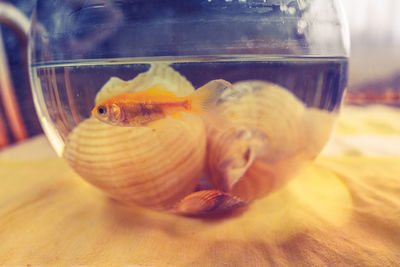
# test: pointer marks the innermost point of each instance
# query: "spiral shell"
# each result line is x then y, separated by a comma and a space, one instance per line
272, 137
151, 166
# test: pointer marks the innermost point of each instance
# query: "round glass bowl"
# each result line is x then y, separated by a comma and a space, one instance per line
242, 94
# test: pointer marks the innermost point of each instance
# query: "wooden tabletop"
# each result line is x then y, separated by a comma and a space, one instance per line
342, 210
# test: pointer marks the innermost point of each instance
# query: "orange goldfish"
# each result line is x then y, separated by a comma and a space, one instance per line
141, 108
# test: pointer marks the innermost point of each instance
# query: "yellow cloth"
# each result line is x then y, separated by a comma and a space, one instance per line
342, 210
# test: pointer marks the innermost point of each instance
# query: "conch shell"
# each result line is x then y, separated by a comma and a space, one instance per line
273, 135
154, 167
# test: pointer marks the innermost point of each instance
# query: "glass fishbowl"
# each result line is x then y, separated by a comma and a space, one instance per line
191, 107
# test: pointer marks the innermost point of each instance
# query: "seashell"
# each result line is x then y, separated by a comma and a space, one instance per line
154, 167
208, 202
159, 73
320, 124
272, 136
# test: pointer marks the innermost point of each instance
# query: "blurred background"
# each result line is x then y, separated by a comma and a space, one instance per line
374, 73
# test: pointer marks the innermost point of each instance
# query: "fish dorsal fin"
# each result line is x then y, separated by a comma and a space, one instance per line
158, 90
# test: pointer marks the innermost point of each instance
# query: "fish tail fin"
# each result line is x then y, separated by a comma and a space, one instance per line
205, 98
204, 102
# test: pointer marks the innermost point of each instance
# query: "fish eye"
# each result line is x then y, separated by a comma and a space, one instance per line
101, 110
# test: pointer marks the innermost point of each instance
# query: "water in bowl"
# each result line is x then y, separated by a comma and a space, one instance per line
280, 124
66, 90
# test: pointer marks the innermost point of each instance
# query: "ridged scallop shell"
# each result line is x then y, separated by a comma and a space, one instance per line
159, 73
272, 137
208, 202
151, 166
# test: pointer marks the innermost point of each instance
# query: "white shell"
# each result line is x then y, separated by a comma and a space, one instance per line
152, 166
158, 73
148, 166
273, 135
